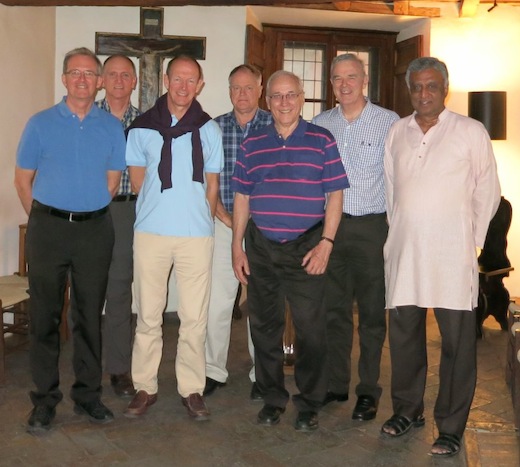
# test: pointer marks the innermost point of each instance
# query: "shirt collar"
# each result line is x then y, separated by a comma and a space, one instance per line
63, 108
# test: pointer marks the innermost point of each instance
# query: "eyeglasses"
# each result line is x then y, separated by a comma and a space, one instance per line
76, 74
289, 97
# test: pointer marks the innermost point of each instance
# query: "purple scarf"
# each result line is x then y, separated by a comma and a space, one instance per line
159, 118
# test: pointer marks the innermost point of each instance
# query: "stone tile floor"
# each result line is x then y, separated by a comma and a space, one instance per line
167, 437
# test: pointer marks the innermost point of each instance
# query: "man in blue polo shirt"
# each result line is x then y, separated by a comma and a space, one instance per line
69, 163
290, 179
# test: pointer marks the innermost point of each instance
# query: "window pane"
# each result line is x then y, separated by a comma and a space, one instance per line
307, 63
298, 54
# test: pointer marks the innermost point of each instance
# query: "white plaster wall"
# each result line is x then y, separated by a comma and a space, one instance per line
481, 55
27, 86
76, 26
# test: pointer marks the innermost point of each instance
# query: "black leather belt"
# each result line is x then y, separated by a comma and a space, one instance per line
350, 216
70, 216
119, 198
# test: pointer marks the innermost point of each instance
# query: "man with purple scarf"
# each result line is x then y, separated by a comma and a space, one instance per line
174, 154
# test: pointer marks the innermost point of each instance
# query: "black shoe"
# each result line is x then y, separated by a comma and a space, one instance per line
306, 421
122, 385
270, 415
334, 396
256, 395
365, 409
96, 411
41, 418
211, 385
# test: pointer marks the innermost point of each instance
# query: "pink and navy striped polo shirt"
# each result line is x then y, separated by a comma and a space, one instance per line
287, 180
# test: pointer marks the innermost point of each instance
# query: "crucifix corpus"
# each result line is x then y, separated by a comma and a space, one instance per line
151, 47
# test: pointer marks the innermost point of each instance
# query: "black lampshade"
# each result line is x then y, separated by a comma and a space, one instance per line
489, 107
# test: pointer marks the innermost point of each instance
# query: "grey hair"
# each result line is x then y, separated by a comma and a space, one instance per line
278, 74
82, 51
425, 63
246, 67
347, 58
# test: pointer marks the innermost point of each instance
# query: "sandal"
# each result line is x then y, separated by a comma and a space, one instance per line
449, 443
401, 425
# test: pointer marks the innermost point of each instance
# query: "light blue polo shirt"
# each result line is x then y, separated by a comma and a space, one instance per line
183, 210
72, 156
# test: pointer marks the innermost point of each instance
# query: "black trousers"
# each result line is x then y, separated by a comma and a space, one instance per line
356, 272
276, 273
56, 247
458, 365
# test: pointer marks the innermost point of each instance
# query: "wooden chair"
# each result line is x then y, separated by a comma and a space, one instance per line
494, 265
14, 300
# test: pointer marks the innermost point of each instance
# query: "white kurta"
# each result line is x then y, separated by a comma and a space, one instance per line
442, 190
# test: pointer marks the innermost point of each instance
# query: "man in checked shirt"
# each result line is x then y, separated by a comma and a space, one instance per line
119, 81
245, 88
356, 268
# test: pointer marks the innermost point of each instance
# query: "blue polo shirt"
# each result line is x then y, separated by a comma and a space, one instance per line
287, 180
183, 210
72, 156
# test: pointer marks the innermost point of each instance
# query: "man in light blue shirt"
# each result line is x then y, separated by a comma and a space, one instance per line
175, 156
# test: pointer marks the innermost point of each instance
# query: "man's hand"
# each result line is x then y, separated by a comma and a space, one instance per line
240, 265
316, 260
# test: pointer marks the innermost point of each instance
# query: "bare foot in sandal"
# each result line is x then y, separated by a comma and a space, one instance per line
398, 425
446, 445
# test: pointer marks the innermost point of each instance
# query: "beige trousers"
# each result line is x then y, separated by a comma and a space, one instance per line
191, 258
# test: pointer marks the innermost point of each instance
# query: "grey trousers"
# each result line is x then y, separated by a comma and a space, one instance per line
458, 365
117, 330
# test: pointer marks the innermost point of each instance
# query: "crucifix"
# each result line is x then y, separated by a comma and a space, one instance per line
151, 47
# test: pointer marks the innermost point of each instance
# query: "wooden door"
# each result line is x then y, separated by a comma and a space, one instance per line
405, 52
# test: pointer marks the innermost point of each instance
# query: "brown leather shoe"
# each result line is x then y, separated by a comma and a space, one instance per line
122, 385
140, 403
196, 407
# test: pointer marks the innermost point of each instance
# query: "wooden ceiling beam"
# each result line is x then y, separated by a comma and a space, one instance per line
364, 7
160, 3
403, 7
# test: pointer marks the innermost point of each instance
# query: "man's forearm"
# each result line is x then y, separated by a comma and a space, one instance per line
240, 218
333, 213
223, 214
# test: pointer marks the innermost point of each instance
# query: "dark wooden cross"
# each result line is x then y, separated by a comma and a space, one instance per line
151, 47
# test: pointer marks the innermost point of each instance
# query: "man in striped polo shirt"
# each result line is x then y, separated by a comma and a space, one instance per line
289, 178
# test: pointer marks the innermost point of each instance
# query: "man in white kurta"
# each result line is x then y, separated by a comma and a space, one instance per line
442, 191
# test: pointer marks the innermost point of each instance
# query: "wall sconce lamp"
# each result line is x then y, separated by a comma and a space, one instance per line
489, 107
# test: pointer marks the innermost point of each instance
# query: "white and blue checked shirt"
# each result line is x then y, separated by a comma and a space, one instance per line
232, 136
129, 116
361, 144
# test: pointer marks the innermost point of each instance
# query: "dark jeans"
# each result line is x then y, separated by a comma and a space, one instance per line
276, 274
56, 247
356, 272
